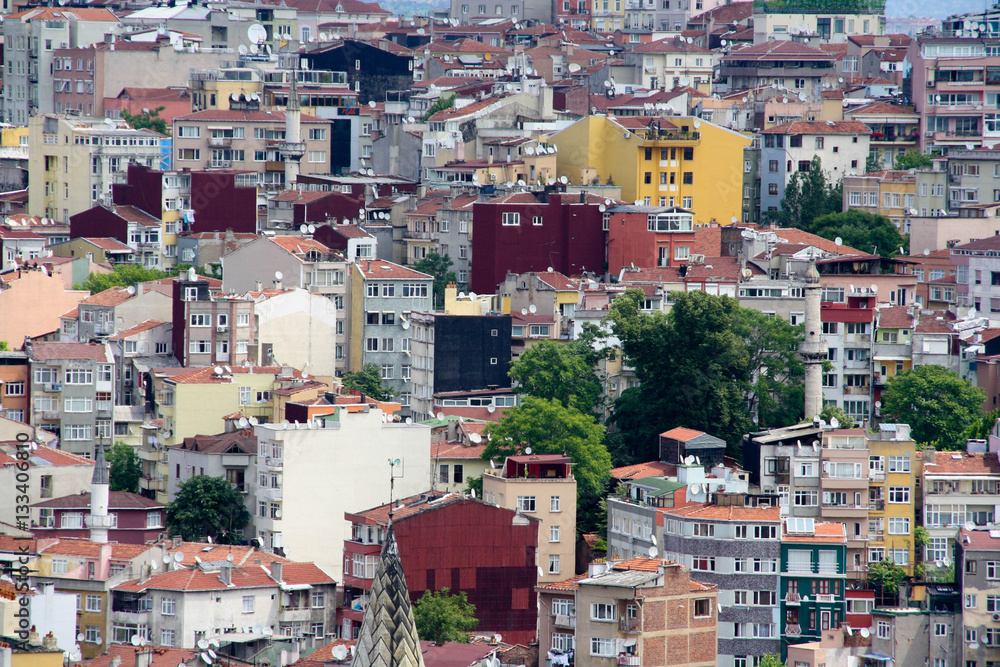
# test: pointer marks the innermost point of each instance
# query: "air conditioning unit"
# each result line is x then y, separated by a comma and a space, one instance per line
222, 327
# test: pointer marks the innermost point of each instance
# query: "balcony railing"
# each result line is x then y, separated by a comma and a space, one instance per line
876, 505
630, 660
564, 621
792, 598
793, 630
630, 625
812, 568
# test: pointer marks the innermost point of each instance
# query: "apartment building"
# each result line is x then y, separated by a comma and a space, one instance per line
898, 195
300, 467
973, 176
959, 488
54, 473
977, 577
797, 68
383, 296
671, 63
648, 236
698, 163
440, 532
247, 138
954, 77
209, 329
643, 611
830, 24
146, 345
542, 486
31, 36
72, 389
14, 373
813, 583
107, 313
841, 146
895, 130
977, 279
893, 472
735, 548
183, 603
76, 159
229, 454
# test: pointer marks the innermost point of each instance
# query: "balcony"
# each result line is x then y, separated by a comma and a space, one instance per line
812, 568
792, 598
109, 521
793, 630
153, 483
269, 463
147, 454
294, 614
876, 505
630, 626
52, 387
826, 598
220, 142
51, 416
631, 660
857, 390
269, 493
563, 621
876, 537
224, 164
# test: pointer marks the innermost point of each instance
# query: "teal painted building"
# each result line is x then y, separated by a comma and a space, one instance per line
813, 580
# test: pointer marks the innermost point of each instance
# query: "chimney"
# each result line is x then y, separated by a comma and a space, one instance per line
928, 455
49, 642
116, 661
276, 568
176, 541
260, 286
144, 657
226, 575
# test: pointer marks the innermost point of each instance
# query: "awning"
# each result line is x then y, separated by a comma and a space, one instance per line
877, 656
879, 357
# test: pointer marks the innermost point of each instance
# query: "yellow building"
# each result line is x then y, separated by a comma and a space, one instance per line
676, 161
541, 486
888, 193
74, 161
14, 136
892, 473
607, 15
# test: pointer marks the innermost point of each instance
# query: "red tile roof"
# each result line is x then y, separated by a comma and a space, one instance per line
128, 656
648, 469
724, 512
70, 546
895, 317
139, 328
44, 352
136, 215
557, 281
109, 297
379, 269
467, 110
56, 457
108, 244
781, 49
834, 533
118, 500
670, 45
193, 578
570, 584
681, 433
820, 127
961, 463
457, 450
206, 375
59, 13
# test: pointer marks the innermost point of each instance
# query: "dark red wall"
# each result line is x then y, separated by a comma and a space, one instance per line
570, 239
98, 222
131, 527
474, 547
337, 206
144, 190
219, 205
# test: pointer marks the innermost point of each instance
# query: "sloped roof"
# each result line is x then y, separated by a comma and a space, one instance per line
231, 442
820, 127
781, 49
44, 352
641, 470
669, 45
895, 317
108, 244
380, 269
136, 215
129, 655
299, 245
248, 576
117, 500
709, 511
962, 463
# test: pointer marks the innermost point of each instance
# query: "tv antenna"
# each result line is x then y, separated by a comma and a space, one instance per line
393, 464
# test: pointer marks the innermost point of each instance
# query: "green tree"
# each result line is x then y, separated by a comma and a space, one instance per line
831, 412
886, 576
709, 364
442, 103
549, 427
982, 427
808, 196
869, 232
913, 159
442, 617
147, 119
368, 381
208, 506
770, 660
4, 346
558, 370
938, 405
438, 266
873, 164
123, 275
125, 470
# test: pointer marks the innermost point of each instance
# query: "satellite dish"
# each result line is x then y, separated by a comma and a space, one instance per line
409, 420
440, 415
80, 637
212, 654
178, 557
524, 311
217, 370
278, 275
552, 181
254, 49
243, 51
874, 289
256, 33
652, 552
563, 180
529, 150
153, 565
475, 438
311, 229
339, 652
406, 324
532, 309
206, 657
372, 104
540, 572
865, 632
652, 538
968, 525
527, 450
203, 644
303, 228
520, 182
491, 409
135, 640
834, 422
838, 241
602, 208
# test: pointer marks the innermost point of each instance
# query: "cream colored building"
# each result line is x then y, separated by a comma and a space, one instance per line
338, 463
38, 299
74, 161
543, 486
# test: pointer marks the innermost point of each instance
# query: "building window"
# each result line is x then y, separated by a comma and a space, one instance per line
703, 563
525, 503
510, 219
702, 608
167, 637
554, 504
248, 604
94, 603
602, 611
168, 606
553, 533
602, 647
553, 564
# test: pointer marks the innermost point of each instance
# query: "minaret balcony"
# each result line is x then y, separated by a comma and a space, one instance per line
292, 148
106, 521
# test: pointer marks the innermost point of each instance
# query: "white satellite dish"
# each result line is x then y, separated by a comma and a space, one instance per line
838, 241
243, 51
206, 657
528, 450
529, 150
135, 640
602, 208
652, 538
563, 180
178, 557
524, 311
303, 228
278, 275
339, 652
440, 415
153, 565
652, 552
475, 438
532, 309
311, 229
254, 49
968, 525
409, 420
866, 633
256, 33
203, 644
834, 422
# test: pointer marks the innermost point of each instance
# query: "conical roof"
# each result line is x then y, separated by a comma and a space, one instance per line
388, 636
100, 467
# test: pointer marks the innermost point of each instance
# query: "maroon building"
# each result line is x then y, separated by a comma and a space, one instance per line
138, 519
450, 541
527, 231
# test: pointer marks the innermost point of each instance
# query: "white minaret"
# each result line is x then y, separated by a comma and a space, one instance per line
292, 149
813, 348
99, 521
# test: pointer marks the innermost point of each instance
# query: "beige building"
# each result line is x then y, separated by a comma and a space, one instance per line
543, 486
247, 138
76, 159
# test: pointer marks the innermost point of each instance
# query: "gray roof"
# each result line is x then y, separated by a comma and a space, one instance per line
388, 636
661, 485
622, 578
130, 413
